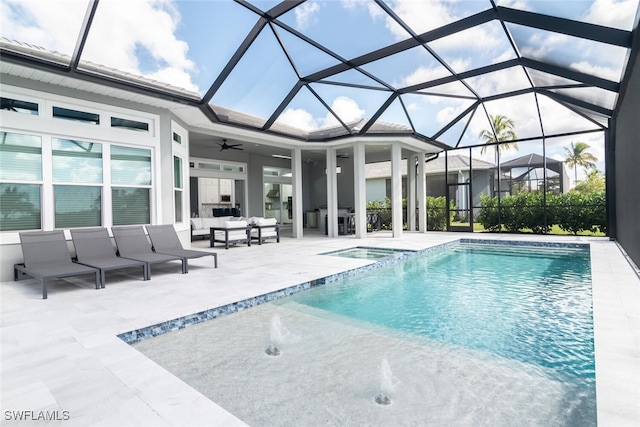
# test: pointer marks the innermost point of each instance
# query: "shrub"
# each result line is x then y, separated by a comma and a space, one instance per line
572, 212
578, 212
437, 213
488, 215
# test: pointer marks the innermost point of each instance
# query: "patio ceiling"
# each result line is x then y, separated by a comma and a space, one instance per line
319, 71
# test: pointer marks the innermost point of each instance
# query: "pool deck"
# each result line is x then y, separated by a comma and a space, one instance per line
61, 356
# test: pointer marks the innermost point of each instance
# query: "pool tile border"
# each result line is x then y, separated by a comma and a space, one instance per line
141, 334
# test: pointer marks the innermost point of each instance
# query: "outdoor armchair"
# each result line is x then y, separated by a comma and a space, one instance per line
265, 228
165, 240
46, 256
94, 248
132, 243
231, 233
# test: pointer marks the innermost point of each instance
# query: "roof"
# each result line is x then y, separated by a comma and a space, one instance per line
293, 68
529, 160
456, 163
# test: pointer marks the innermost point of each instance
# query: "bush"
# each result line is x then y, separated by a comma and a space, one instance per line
578, 212
437, 213
488, 216
573, 212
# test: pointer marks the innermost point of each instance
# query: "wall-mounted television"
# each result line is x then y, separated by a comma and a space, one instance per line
225, 198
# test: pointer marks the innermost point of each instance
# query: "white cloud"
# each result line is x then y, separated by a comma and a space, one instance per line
47, 24
420, 16
613, 13
119, 33
298, 118
346, 108
305, 14
610, 73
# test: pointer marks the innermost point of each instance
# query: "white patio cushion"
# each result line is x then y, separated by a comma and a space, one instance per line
266, 221
266, 232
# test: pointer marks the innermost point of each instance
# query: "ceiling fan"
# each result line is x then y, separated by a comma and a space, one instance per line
225, 146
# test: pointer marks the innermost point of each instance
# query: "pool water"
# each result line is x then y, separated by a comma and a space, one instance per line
530, 304
362, 252
477, 335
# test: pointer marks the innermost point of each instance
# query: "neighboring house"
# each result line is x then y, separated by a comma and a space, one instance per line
459, 168
527, 173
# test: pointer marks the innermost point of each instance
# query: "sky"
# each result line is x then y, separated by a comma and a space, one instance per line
187, 43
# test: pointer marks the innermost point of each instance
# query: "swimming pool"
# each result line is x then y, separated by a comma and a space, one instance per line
488, 335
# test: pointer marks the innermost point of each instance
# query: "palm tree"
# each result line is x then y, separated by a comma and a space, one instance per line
578, 155
504, 129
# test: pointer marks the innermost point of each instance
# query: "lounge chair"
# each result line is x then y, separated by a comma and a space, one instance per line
164, 240
46, 256
132, 243
94, 248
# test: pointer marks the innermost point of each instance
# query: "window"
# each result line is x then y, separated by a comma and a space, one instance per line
129, 124
20, 181
20, 207
131, 172
77, 206
177, 138
209, 166
177, 187
18, 106
233, 168
79, 116
77, 162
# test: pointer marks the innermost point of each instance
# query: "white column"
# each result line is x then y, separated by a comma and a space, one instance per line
421, 181
411, 192
332, 193
298, 214
360, 190
396, 189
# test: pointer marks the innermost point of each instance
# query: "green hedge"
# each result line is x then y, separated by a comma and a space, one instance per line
572, 212
436, 212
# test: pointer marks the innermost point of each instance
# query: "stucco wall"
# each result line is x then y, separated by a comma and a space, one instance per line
627, 160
